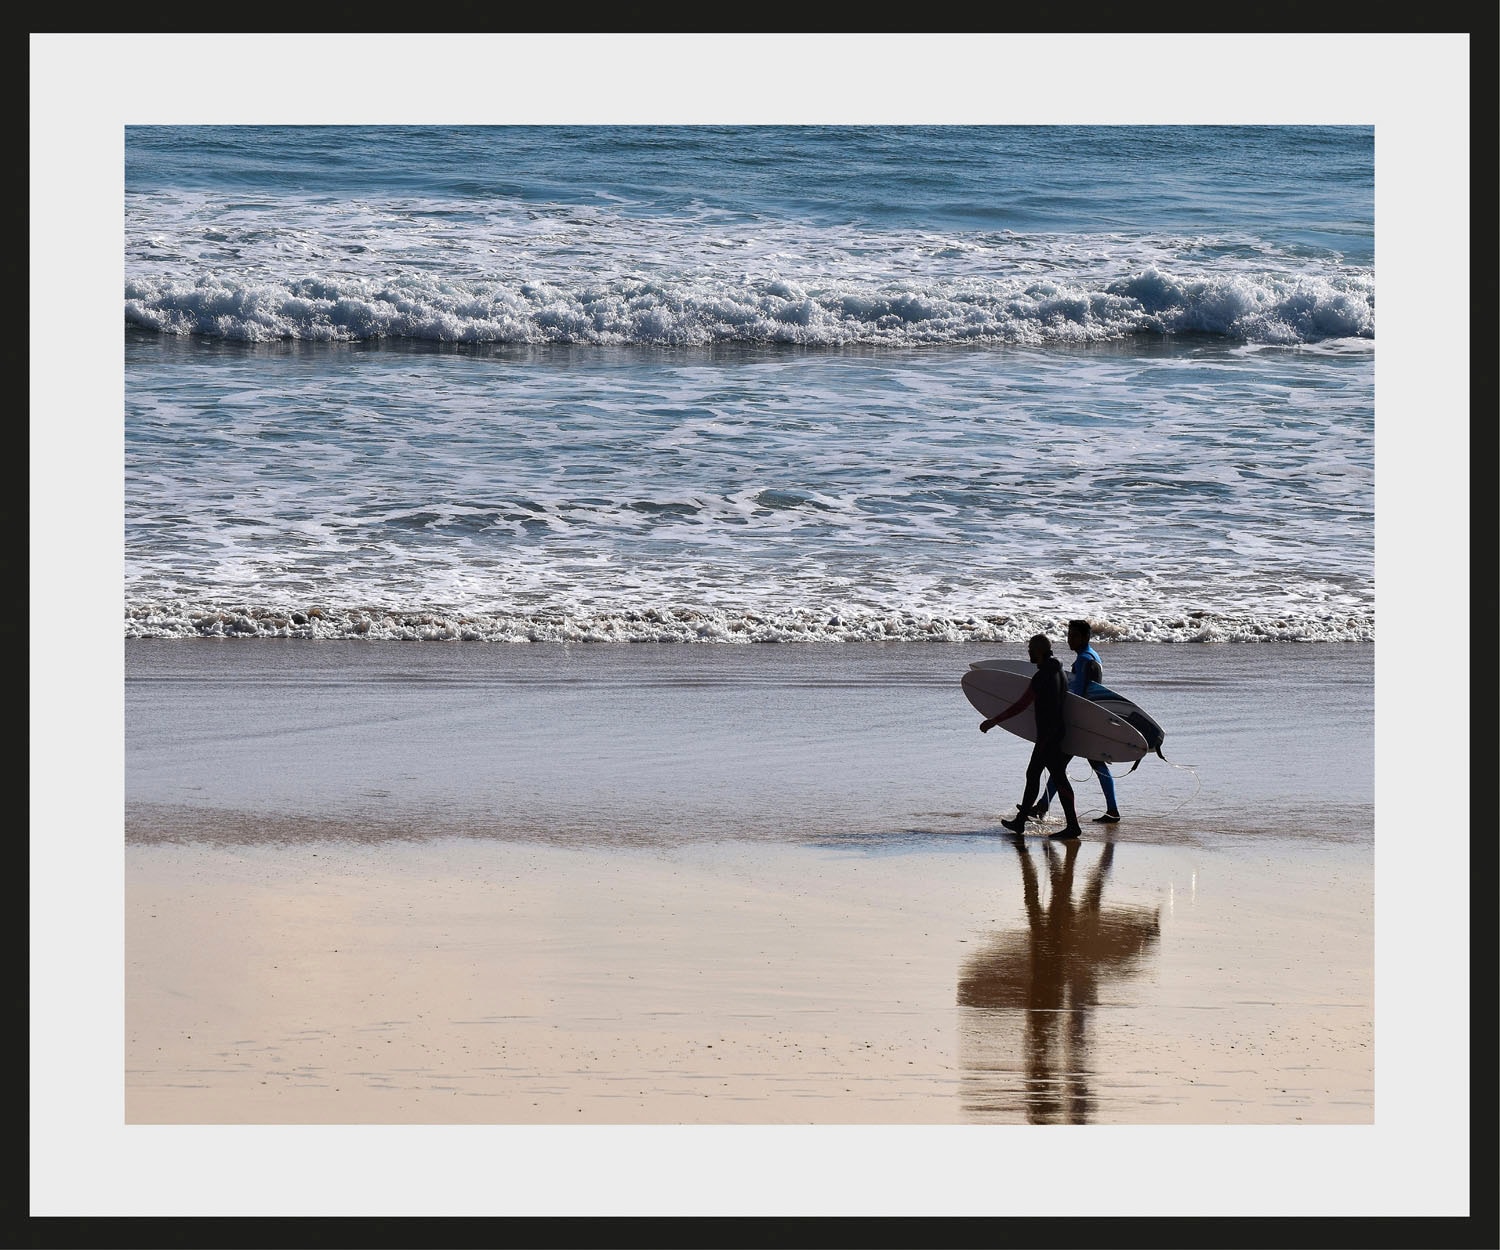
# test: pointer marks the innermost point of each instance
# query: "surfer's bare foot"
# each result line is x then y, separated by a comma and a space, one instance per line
1016, 824
1109, 818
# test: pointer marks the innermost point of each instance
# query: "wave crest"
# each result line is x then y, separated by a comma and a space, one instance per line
1260, 309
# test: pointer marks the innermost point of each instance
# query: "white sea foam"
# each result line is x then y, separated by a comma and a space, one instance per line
676, 624
498, 272
692, 311
940, 485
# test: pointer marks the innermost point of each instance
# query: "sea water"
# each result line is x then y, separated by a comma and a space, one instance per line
749, 384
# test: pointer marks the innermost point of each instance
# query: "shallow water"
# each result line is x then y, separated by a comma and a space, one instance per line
623, 744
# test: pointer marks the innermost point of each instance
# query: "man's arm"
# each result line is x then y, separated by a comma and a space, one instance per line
1020, 705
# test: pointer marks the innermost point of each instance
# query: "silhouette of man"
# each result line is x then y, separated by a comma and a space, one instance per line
1048, 687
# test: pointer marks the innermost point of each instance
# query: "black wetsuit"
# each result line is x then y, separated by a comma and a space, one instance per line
1048, 686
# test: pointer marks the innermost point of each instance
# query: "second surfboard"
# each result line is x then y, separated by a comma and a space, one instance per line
1093, 731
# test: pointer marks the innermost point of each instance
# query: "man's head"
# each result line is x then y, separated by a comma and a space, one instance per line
1079, 633
1039, 648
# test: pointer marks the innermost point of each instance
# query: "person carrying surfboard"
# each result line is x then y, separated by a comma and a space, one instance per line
1046, 690
1087, 670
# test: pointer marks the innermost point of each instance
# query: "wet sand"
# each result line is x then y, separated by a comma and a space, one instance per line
676, 885
369, 889
900, 982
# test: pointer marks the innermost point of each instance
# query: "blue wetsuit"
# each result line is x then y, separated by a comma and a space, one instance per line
1086, 669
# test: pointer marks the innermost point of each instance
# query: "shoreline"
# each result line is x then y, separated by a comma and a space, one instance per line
619, 744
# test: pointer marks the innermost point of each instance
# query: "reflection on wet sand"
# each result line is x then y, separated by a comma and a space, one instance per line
1046, 980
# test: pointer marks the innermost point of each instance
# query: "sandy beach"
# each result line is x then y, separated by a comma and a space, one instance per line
730, 886
464, 981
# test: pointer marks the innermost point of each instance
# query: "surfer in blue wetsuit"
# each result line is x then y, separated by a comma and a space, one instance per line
1086, 669
1046, 691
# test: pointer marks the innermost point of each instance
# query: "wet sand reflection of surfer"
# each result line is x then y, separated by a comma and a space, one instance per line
1052, 972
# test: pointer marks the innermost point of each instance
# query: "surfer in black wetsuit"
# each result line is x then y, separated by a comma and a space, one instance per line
1046, 691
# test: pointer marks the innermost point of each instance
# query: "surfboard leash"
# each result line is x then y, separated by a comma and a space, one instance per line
1197, 784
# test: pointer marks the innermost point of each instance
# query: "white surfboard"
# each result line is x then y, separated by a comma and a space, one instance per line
1131, 713
1091, 730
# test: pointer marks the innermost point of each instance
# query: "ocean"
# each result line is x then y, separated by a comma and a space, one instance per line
749, 384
